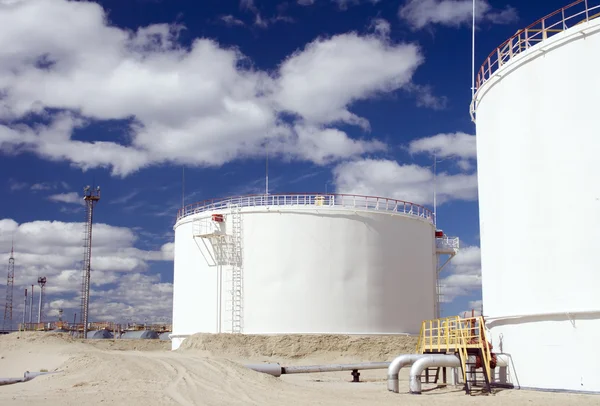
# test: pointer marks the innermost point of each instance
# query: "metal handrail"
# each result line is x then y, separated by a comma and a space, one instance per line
322, 200
447, 242
573, 14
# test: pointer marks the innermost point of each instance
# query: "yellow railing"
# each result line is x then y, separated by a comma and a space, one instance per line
456, 335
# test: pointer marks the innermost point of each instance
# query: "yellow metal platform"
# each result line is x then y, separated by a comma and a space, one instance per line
461, 336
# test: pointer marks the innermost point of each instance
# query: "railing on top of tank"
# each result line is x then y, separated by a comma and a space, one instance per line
447, 243
312, 199
578, 12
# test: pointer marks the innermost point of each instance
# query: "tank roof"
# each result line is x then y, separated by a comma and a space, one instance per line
140, 334
99, 334
306, 200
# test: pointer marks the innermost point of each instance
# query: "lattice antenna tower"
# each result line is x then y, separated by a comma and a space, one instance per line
10, 282
91, 197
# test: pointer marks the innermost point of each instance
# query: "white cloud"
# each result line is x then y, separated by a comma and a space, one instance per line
404, 182
231, 20
381, 26
475, 304
42, 186
319, 82
342, 4
452, 145
35, 187
203, 105
452, 13
54, 249
16, 185
426, 98
326, 145
70, 197
465, 275
258, 19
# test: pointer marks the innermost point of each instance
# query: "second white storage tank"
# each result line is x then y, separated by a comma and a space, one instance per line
307, 264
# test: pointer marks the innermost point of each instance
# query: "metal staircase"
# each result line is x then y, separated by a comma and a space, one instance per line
466, 338
444, 245
227, 255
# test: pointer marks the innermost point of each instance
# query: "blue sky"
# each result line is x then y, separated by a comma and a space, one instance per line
352, 96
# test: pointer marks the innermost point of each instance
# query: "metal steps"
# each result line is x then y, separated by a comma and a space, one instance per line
466, 338
477, 380
428, 377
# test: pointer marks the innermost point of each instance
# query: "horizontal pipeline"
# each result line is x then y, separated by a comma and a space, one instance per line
277, 370
27, 376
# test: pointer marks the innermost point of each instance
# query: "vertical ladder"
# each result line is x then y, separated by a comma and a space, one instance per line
236, 270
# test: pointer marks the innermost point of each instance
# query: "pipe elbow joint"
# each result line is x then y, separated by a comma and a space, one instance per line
394, 369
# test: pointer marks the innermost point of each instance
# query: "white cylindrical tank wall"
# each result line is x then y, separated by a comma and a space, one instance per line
538, 143
344, 265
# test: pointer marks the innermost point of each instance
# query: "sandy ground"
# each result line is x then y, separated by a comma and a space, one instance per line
208, 370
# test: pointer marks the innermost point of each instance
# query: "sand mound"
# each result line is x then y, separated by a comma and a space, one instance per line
130, 345
35, 351
35, 338
297, 346
98, 375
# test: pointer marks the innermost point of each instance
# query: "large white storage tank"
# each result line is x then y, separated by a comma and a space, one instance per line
538, 148
282, 264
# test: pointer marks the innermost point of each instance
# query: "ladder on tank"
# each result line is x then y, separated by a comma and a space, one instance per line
237, 277
466, 338
444, 245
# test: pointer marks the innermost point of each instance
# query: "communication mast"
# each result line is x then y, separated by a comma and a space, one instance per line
8, 306
42, 283
91, 197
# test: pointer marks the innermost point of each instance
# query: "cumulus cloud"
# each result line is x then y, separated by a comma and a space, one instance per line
426, 97
456, 144
70, 197
381, 26
54, 249
342, 4
408, 182
452, 145
328, 145
473, 307
15, 185
464, 277
320, 82
231, 20
201, 105
453, 13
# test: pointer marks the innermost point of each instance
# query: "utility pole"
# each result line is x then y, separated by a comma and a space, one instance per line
434, 189
91, 197
267, 169
31, 306
25, 311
